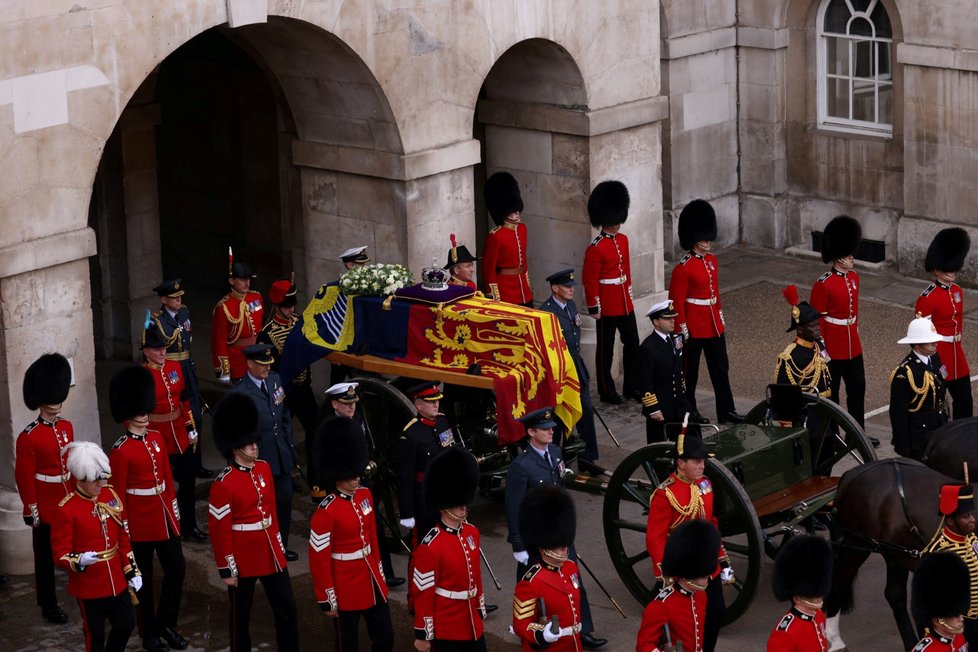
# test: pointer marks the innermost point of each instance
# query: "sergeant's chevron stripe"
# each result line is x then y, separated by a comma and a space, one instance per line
219, 512
424, 581
319, 541
523, 608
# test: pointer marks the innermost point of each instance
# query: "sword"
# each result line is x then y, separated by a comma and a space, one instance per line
601, 419
489, 568
396, 533
600, 585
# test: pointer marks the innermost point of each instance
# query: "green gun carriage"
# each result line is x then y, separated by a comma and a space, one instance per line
768, 480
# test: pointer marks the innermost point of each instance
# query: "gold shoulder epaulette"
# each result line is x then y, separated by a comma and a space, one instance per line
668, 481
495, 229
410, 423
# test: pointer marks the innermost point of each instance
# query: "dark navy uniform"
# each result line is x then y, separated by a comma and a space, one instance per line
570, 325
663, 387
420, 441
275, 446
531, 469
916, 404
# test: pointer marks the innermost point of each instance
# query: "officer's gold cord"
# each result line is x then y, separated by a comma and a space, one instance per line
916, 404
693, 510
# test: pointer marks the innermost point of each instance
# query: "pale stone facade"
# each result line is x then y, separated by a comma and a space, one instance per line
140, 139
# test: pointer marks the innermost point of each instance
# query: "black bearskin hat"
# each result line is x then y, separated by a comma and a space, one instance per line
340, 450
547, 518
608, 204
235, 423
940, 587
697, 221
947, 250
803, 568
451, 478
132, 392
692, 550
502, 194
46, 381
841, 238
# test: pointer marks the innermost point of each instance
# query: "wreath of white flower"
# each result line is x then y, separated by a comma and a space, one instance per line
379, 280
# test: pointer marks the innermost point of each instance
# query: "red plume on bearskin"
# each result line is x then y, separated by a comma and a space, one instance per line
791, 295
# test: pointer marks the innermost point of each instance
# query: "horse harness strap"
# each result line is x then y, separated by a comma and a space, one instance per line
903, 504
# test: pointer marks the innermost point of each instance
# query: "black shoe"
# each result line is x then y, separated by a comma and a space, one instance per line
154, 645
173, 639
613, 399
55, 615
697, 418
591, 642
875, 442
291, 555
490, 608
589, 467
730, 417
194, 534
394, 582
204, 474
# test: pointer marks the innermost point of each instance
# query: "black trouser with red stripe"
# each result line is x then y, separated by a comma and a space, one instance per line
170, 554
44, 567
118, 611
604, 354
379, 627
278, 590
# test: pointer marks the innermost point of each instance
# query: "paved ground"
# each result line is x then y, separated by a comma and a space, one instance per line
756, 315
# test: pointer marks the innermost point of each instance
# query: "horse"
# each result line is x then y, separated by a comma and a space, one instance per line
889, 507
952, 444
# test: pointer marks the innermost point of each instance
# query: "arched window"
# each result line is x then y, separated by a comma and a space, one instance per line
855, 71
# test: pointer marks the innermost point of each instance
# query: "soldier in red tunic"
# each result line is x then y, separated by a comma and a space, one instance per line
836, 295
461, 265
235, 323
803, 575
504, 262
679, 612
344, 555
90, 541
449, 605
42, 477
939, 598
142, 476
172, 417
943, 302
694, 290
684, 496
607, 279
244, 527
547, 601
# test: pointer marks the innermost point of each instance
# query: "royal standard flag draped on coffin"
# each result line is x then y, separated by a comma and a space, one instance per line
521, 349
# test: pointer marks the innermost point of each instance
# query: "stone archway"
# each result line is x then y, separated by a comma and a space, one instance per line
531, 119
273, 138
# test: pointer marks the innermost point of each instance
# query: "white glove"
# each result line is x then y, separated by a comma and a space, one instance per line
407, 523
566, 631
522, 556
549, 636
226, 380
87, 559
136, 582
192, 435
727, 575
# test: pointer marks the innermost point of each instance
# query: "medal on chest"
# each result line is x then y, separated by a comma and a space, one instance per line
365, 507
261, 481
575, 582
172, 376
254, 306
446, 438
278, 396
156, 446
471, 542
704, 486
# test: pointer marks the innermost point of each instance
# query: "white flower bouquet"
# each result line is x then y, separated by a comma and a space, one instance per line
378, 280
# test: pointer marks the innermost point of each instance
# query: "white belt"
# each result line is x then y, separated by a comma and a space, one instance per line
250, 527
613, 281
52, 478
456, 595
841, 322
349, 556
151, 491
702, 302
951, 338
